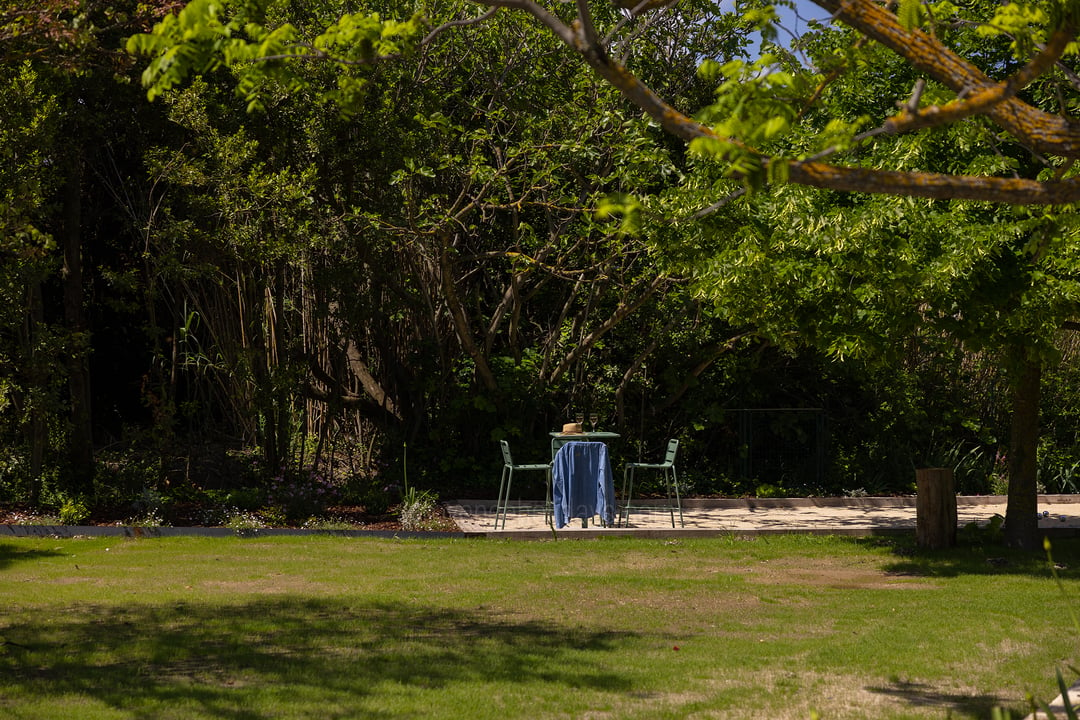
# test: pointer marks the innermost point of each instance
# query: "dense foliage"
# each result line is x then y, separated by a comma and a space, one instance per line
306, 257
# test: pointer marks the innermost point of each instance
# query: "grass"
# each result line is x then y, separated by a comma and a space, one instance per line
325, 627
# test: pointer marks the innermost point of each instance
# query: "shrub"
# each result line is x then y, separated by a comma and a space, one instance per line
298, 497
245, 520
74, 511
149, 509
417, 509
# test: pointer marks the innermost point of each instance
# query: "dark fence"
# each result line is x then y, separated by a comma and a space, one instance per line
783, 447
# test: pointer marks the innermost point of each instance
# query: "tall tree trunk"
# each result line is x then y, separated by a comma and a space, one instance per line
1021, 523
282, 392
80, 442
461, 323
263, 353
37, 429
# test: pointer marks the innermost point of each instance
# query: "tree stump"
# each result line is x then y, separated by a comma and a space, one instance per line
935, 508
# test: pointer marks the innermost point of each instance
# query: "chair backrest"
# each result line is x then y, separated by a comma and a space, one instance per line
672, 447
506, 452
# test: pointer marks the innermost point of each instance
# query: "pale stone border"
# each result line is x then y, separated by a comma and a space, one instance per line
1058, 706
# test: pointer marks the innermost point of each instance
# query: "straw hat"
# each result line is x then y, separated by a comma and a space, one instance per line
571, 429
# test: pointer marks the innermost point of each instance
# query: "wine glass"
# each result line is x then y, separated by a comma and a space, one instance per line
579, 418
593, 417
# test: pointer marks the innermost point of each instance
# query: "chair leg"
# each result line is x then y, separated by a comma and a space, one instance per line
678, 500
667, 487
549, 503
627, 491
499, 501
505, 500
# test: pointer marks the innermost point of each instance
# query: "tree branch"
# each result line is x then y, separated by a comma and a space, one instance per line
381, 412
460, 321
1026, 123
1016, 191
711, 355
621, 312
557, 26
485, 16
979, 102
1042, 131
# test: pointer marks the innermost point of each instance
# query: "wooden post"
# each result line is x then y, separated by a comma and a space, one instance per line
935, 508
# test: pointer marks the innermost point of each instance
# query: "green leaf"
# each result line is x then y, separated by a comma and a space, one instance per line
622, 205
910, 13
774, 127
710, 71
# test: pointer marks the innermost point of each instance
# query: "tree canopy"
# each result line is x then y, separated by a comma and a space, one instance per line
758, 104
332, 234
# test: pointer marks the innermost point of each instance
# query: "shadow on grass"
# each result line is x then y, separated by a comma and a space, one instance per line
921, 695
298, 657
975, 556
12, 553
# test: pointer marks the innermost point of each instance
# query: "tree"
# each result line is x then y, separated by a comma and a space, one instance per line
483, 224
770, 121
60, 55
1046, 28
28, 377
456, 281
866, 275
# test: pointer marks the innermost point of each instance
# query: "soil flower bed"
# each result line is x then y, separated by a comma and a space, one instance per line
353, 517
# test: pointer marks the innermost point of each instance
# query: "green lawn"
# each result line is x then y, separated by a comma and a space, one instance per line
325, 627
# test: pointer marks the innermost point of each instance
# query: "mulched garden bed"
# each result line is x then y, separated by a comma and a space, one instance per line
195, 515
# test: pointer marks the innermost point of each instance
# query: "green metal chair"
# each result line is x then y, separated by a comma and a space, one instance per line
507, 479
671, 482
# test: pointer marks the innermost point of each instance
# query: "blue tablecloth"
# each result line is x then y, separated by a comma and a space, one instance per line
581, 485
